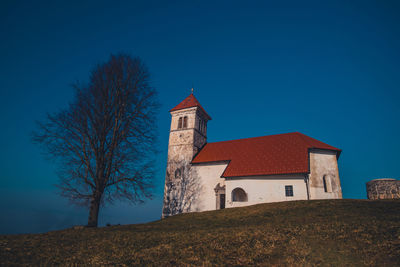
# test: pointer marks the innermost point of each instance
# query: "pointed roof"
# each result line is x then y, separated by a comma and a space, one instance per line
265, 155
190, 102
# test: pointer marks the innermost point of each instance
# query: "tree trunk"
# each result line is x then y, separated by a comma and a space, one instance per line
94, 210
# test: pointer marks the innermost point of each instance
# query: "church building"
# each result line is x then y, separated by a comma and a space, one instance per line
205, 176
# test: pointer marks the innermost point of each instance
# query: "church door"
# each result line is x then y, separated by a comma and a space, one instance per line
219, 196
222, 201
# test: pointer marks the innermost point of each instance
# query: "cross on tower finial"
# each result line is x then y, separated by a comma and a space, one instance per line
192, 90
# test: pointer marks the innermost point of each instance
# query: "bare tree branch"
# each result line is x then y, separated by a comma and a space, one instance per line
104, 142
182, 188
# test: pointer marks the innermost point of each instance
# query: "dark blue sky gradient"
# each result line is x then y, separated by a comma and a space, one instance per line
328, 70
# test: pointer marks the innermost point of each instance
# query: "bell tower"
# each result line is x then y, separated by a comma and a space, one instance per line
188, 134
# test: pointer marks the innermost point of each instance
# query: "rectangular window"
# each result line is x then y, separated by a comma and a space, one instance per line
289, 190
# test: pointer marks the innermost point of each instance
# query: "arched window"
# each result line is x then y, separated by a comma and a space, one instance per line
185, 121
180, 123
239, 195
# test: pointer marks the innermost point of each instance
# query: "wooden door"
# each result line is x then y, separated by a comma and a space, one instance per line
222, 201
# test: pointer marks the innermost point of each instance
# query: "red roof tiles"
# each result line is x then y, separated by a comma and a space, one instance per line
190, 102
266, 155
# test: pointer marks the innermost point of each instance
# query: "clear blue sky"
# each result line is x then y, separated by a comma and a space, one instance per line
328, 69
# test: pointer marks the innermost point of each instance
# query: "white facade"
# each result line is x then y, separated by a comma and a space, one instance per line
265, 189
259, 189
209, 177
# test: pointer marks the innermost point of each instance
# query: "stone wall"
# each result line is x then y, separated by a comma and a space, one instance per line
182, 183
385, 188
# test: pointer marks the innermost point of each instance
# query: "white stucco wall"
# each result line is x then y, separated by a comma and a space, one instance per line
324, 163
262, 189
209, 176
265, 189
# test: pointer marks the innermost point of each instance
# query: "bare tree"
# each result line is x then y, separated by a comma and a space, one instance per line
182, 188
104, 141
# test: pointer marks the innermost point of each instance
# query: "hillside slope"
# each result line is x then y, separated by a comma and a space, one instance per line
338, 232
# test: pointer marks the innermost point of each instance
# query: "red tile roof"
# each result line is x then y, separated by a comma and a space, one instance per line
190, 102
265, 155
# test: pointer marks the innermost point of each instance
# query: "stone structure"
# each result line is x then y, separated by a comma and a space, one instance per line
188, 134
204, 176
384, 188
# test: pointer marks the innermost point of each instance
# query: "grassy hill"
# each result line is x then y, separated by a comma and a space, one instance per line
333, 232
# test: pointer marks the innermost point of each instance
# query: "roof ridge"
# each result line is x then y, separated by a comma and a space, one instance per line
303, 139
253, 137
307, 140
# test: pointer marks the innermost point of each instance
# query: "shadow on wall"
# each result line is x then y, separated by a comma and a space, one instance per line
182, 189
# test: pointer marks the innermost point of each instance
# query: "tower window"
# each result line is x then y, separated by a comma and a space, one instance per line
202, 126
180, 123
178, 173
239, 195
185, 121
289, 190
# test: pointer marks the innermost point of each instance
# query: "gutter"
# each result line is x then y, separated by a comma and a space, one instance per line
306, 179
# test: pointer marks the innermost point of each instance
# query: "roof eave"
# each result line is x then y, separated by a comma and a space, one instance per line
263, 175
338, 151
198, 108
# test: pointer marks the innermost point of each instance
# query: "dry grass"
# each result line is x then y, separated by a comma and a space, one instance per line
300, 233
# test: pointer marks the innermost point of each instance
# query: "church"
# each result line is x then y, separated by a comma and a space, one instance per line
205, 176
